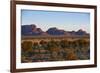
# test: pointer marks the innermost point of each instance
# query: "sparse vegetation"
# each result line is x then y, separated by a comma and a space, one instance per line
55, 50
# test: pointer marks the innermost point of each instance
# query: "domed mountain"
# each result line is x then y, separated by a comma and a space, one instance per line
55, 31
32, 30
81, 32
26, 30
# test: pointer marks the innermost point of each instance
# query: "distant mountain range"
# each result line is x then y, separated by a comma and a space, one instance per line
32, 30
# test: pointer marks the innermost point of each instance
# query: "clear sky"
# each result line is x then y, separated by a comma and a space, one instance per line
63, 20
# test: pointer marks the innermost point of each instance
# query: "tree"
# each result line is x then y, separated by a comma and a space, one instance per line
53, 46
74, 44
79, 43
86, 43
26, 46
72, 56
43, 44
35, 45
64, 43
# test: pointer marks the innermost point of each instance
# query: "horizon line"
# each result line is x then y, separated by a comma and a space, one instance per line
58, 28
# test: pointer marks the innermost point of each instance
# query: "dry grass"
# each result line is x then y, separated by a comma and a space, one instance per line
39, 50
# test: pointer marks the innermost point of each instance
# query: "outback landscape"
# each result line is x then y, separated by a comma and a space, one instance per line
55, 44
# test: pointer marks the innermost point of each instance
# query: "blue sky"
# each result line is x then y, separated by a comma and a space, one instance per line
63, 20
